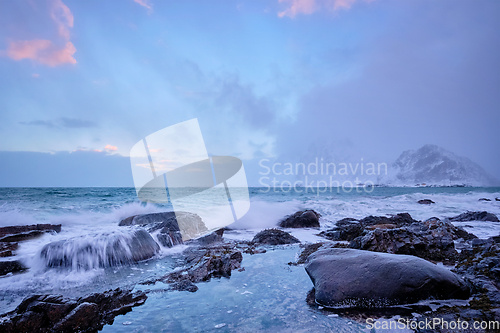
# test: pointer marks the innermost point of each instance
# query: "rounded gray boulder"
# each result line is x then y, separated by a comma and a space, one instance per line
348, 277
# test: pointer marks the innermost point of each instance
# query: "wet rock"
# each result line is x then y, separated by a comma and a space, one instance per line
347, 277
482, 259
6, 249
308, 250
497, 199
105, 250
302, 219
26, 232
212, 238
184, 285
432, 239
475, 216
484, 199
54, 313
168, 223
348, 229
169, 238
274, 237
11, 266
203, 264
425, 202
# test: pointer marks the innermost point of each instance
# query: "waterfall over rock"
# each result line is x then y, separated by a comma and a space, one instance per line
101, 250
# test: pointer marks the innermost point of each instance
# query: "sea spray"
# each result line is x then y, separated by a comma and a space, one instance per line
99, 251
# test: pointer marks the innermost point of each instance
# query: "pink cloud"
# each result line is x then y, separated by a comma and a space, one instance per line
306, 7
45, 51
42, 51
110, 147
63, 17
144, 3
298, 7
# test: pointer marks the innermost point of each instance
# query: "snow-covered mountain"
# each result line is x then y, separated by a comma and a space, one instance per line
433, 165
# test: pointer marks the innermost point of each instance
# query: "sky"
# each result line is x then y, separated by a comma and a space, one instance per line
83, 81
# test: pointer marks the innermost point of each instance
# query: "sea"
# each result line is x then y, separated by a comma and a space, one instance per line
268, 296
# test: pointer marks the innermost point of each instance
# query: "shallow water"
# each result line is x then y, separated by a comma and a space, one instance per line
269, 296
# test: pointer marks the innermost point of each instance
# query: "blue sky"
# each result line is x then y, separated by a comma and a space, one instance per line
264, 78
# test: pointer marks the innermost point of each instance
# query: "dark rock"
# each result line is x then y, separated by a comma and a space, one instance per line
203, 265
54, 313
483, 259
432, 240
347, 277
348, 229
18, 229
212, 238
475, 216
12, 266
400, 220
184, 285
169, 238
6, 249
78, 318
274, 237
497, 199
425, 202
168, 223
302, 219
308, 250
111, 249
484, 199
26, 232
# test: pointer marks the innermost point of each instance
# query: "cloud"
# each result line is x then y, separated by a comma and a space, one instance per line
62, 122
110, 147
144, 3
238, 98
48, 124
310, 6
76, 123
45, 51
42, 51
63, 17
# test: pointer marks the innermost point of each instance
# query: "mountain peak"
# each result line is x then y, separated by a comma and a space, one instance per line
434, 165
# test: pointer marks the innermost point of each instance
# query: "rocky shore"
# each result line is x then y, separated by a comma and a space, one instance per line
55, 313
378, 266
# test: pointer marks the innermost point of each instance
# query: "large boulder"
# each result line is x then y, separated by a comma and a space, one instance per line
348, 277
475, 216
274, 237
302, 219
170, 225
103, 250
54, 313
